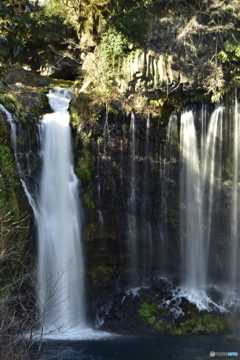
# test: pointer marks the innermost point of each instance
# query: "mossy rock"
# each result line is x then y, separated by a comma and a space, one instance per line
153, 315
101, 276
85, 164
202, 324
86, 107
91, 230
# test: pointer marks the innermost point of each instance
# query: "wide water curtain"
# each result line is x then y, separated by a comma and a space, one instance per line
60, 274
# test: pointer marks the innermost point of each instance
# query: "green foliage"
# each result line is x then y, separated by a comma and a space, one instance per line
206, 323
74, 118
127, 24
131, 19
14, 24
7, 180
22, 119
113, 49
231, 52
47, 29
228, 168
67, 11
101, 275
148, 311
88, 199
151, 320
84, 168
1, 71
8, 100
83, 15
85, 164
104, 270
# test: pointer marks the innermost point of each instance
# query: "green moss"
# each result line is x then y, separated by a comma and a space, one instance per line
163, 311
144, 310
8, 181
74, 118
178, 332
85, 164
101, 275
164, 326
151, 320
8, 100
147, 311
22, 119
206, 324
112, 110
192, 309
126, 271
91, 230
13, 204
88, 199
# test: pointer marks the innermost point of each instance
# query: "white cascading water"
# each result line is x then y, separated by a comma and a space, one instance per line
234, 256
191, 204
132, 207
199, 180
60, 258
146, 228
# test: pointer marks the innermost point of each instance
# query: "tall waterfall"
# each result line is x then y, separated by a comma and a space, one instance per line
60, 258
132, 206
55, 202
234, 256
200, 179
146, 227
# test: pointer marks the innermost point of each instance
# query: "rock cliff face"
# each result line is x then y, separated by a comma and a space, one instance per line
129, 167
178, 55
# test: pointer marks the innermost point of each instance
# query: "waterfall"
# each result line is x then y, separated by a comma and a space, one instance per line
60, 259
146, 228
99, 175
212, 170
169, 155
191, 204
23, 157
132, 207
234, 256
200, 182
202, 206
58, 216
